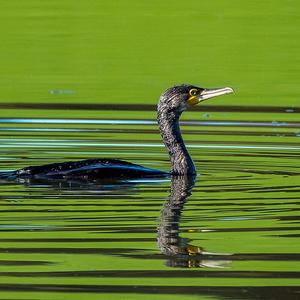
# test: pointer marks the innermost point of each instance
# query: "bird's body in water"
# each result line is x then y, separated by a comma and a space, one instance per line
171, 104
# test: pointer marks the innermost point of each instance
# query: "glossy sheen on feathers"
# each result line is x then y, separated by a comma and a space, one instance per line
90, 168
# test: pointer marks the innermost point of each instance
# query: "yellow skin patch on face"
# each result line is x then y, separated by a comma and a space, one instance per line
193, 99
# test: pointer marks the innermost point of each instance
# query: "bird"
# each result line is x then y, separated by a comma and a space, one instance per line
172, 103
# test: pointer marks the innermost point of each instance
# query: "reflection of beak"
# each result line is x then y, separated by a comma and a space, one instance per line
192, 250
208, 93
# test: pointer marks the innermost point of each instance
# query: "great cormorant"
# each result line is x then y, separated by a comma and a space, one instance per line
171, 104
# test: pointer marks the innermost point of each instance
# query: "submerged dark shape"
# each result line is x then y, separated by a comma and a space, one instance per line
171, 104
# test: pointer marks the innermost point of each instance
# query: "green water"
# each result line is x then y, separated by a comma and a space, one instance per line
128, 51
61, 240
73, 240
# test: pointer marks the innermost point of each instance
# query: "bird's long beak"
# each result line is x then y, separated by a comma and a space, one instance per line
208, 93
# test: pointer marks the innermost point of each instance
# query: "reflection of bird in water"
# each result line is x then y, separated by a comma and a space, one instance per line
178, 250
172, 103
169, 241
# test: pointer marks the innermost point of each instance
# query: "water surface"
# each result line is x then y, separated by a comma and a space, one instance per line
80, 79
231, 234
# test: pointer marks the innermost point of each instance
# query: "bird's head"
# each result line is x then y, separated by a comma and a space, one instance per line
178, 98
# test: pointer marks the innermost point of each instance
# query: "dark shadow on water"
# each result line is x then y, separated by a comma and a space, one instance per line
221, 292
147, 107
77, 184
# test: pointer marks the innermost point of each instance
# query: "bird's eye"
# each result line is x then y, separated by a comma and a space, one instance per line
193, 92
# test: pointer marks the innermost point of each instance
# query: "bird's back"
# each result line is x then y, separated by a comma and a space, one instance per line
90, 168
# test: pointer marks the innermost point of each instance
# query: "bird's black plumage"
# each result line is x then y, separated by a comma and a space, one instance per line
171, 104
90, 168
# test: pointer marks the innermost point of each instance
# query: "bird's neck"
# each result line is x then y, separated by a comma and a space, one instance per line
181, 160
